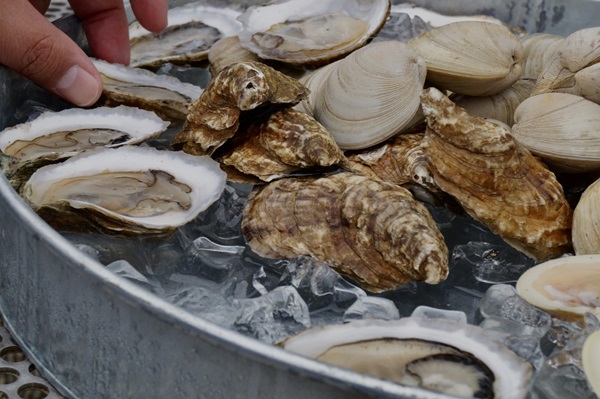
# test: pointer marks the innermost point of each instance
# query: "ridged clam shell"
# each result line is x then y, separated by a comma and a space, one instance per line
227, 51
471, 57
586, 221
369, 96
374, 232
496, 180
539, 48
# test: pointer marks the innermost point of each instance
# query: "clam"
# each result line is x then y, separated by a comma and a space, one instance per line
166, 95
369, 96
240, 87
440, 355
567, 287
591, 360
496, 180
227, 51
125, 191
539, 48
192, 30
311, 31
586, 229
563, 129
371, 231
471, 57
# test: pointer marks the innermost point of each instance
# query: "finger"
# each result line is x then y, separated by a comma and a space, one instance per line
152, 14
35, 48
41, 5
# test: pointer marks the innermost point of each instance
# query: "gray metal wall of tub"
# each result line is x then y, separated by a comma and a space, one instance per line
96, 335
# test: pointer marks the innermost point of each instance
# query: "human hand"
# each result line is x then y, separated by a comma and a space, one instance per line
36, 49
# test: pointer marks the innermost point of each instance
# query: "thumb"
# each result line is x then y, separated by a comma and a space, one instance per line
36, 49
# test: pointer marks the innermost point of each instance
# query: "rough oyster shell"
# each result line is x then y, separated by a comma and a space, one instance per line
124, 191
369, 96
372, 231
311, 31
215, 116
167, 96
567, 287
192, 29
591, 360
388, 349
471, 57
497, 181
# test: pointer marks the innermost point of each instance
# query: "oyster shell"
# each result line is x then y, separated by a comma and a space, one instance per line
567, 287
563, 129
372, 231
167, 96
369, 96
124, 191
591, 360
497, 181
470, 57
245, 86
311, 31
192, 29
280, 144
440, 355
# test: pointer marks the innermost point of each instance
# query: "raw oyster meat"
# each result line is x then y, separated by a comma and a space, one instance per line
496, 180
372, 231
436, 354
311, 31
125, 191
192, 29
240, 87
567, 287
54, 136
167, 96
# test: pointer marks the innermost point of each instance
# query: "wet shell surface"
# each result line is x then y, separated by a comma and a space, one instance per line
496, 180
439, 355
125, 191
369, 96
372, 231
539, 48
567, 287
311, 31
166, 95
471, 57
586, 226
244, 86
591, 360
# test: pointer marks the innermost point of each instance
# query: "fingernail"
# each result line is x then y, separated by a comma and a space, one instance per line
79, 87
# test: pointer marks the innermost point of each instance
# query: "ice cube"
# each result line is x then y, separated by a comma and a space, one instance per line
210, 260
435, 313
371, 307
562, 382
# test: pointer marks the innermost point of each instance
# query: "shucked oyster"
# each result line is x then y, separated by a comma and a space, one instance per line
128, 190
372, 231
436, 354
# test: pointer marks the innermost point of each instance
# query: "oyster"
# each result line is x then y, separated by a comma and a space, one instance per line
245, 86
167, 96
591, 360
192, 29
124, 191
54, 136
567, 287
369, 96
496, 180
311, 31
372, 231
436, 354
471, 57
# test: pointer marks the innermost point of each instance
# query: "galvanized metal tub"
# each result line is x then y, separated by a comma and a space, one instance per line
96, 335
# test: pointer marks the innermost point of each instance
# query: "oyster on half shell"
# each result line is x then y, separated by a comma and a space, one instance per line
436, 354
125, 191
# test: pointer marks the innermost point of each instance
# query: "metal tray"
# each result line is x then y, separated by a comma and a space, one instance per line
93, 334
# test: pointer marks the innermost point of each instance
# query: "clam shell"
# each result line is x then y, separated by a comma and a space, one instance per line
591, 360
471, 57
227, 51
374, 232
368, 96
539, 48
496, 180
586, 229
567, 287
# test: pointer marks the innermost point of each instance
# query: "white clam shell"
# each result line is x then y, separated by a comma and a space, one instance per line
591, 360
586, 226
539, 48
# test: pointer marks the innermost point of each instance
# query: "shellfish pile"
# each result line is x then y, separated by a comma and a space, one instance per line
341, 137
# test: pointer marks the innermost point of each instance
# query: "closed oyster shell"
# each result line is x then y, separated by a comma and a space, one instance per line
372, 231
245, 86
497, 181
471, 57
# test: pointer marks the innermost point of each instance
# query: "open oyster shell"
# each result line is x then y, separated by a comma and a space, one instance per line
567, 287
372, 231
591, 360
440, 355
311, 31
496, 180
125, 191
